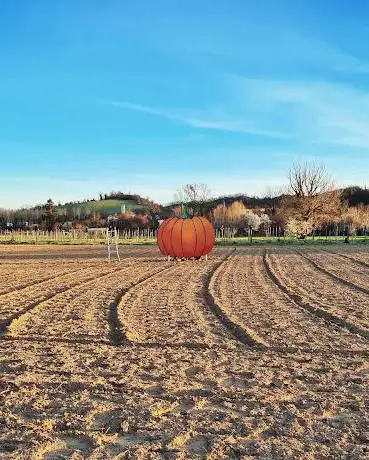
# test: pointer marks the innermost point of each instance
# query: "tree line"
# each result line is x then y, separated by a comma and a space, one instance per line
309, 203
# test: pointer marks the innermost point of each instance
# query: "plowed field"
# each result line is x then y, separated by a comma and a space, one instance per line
255, 353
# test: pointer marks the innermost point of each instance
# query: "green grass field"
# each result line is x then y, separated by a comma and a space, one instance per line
317, 240
23, 238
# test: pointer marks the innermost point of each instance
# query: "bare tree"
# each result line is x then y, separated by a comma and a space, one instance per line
308, 180
195, 196
314, 199
193, 193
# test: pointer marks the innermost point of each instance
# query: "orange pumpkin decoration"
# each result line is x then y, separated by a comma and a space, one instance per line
186, 237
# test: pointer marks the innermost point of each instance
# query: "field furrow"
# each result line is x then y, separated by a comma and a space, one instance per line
320, 289
146, 359
83, 312
344, 270
15, 278
173, 308
251, 299
16, 303
358, 257
362, 257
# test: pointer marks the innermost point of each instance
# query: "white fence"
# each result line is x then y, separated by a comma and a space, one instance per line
98, 235
95, 236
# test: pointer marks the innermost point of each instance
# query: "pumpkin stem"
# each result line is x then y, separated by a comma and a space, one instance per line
185, 214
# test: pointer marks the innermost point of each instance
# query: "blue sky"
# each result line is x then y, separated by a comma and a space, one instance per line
146, 96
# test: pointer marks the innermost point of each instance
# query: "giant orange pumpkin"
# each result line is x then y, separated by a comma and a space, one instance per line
186, 237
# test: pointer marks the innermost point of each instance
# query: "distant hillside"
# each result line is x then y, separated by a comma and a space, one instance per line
103, 207
248, 201
353, 196
118, 203
114, 203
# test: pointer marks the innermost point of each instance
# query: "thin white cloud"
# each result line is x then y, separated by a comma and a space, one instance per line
308, 112
206, 119
315, 112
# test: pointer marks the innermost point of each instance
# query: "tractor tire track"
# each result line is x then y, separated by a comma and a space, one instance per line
7, 323
243, 334
116, 330
300, 276
82, 314
321, 311
10, 303
349, 258
332, 275
247, 295
37, 281
22, 291
184, 309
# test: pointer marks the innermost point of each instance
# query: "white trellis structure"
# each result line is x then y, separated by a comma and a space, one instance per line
112, 243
